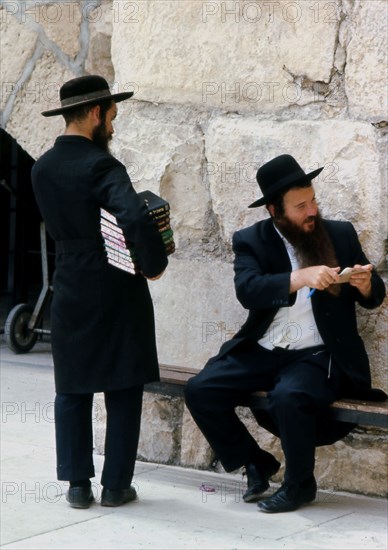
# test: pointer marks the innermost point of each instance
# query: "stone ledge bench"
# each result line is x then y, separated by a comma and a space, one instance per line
173, 379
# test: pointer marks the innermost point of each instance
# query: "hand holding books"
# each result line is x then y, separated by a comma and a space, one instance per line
118, 253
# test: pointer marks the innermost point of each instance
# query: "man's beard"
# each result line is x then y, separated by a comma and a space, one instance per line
101, 137
311, 248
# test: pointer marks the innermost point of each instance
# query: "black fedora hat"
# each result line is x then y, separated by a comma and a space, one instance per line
279, 174
83, 91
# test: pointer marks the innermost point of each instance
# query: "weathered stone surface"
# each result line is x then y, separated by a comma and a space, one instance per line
161, 429
61, 23
241, 55
169, 165
373, 329
99, 60
366, 41
196, 311
17, 44
34, 132
357, 464
236, 147
99, 423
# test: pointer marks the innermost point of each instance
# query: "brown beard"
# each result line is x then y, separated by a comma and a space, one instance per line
311, 248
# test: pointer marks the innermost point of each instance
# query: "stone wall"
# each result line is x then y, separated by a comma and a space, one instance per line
220, 88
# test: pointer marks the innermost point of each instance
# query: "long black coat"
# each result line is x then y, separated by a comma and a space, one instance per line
262, 279
102, 320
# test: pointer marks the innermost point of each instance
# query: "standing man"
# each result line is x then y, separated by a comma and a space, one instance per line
102, 320
300, 341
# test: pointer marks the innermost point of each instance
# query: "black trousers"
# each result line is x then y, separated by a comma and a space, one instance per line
300, 390
74, 436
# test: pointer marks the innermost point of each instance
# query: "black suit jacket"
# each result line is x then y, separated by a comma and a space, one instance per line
262, 279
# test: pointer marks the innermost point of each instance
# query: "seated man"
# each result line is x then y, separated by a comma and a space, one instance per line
300, 341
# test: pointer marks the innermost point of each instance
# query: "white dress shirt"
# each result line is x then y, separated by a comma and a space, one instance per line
293, 327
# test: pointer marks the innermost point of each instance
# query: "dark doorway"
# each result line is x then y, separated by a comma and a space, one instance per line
20, 254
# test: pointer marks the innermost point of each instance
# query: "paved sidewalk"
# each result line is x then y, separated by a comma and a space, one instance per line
173, 511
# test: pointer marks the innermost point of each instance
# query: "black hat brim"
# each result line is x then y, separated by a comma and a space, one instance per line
283, 186
114, 97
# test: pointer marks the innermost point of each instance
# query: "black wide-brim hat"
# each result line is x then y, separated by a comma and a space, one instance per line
85, 90
278, 175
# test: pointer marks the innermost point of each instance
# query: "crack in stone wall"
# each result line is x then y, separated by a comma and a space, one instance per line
75, 65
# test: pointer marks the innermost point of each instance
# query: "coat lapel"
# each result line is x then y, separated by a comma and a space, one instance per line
276, 252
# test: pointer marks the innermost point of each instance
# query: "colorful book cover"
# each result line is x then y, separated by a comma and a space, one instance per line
117, 252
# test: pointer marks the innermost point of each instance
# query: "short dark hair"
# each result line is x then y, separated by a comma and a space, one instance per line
278, 201
79, 113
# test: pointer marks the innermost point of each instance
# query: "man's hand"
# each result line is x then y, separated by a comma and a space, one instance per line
362, 281
317, 276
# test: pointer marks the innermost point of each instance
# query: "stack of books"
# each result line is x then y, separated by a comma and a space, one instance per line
118, 254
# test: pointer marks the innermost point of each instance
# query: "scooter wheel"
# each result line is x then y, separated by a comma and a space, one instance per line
18, 336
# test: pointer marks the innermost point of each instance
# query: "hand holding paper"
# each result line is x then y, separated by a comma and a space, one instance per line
344, 276
360, 278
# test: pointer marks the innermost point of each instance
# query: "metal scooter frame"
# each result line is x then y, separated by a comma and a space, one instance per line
22, 326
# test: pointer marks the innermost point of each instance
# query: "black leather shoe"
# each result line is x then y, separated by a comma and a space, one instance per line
289, 497
258, 476
117, 497
80, 497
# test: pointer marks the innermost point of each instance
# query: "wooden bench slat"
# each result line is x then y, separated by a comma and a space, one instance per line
374, 413
176, 375
377, 407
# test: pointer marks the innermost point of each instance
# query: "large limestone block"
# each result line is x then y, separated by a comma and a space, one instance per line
60, 22
17, 44
161, 429
349, 151
98, 59
196, 311
160, 432
163, 152
233, 55
365, 39
372, 326
34, 132
357, 464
